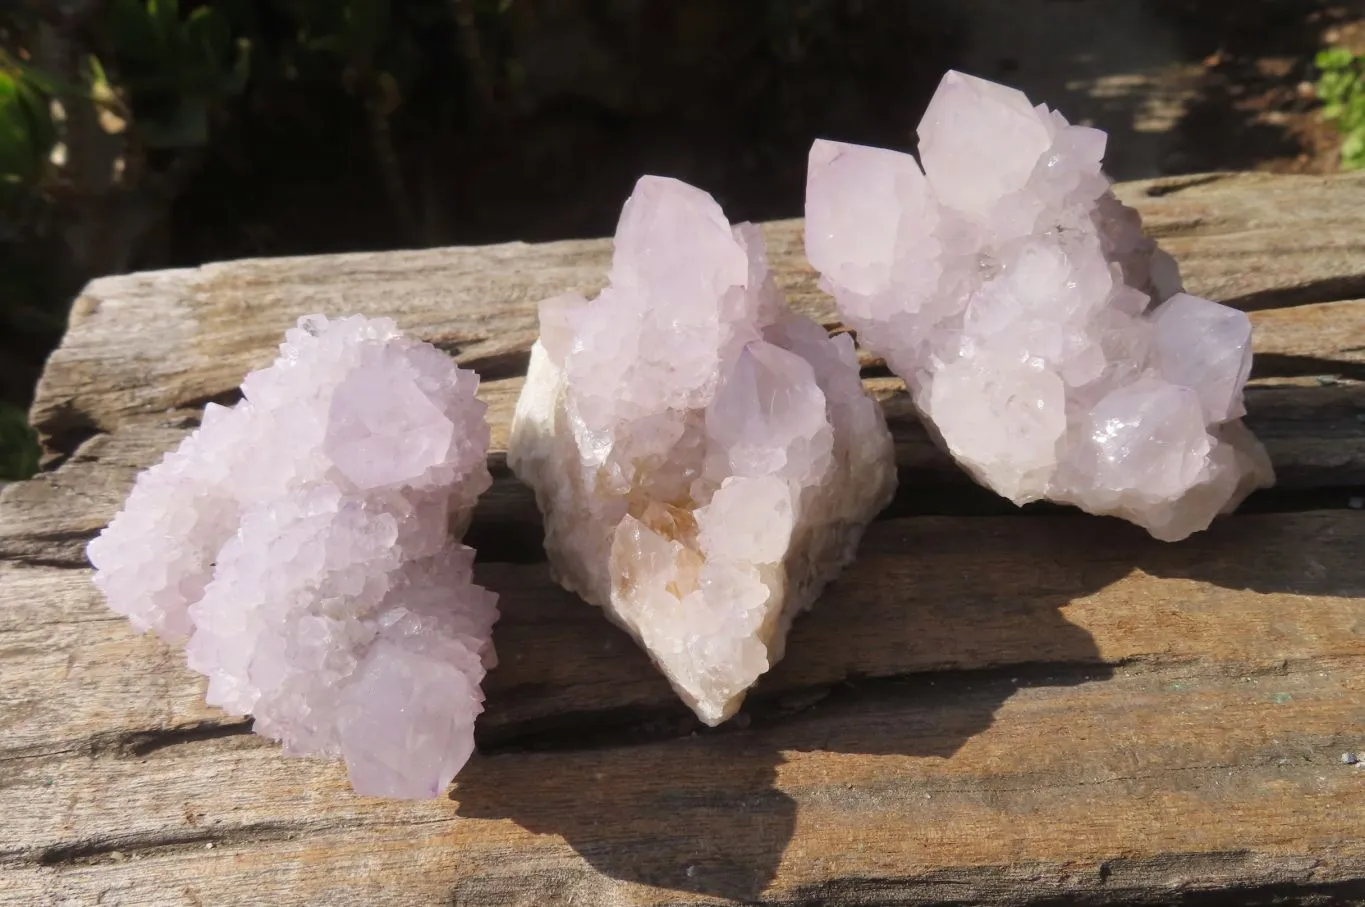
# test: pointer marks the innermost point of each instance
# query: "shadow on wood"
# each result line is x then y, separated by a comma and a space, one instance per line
960, 615
712, 821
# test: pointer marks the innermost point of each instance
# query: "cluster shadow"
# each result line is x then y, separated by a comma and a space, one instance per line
658, 799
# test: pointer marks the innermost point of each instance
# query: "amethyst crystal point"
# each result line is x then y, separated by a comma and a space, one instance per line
705, 458
1042, 336
301, 542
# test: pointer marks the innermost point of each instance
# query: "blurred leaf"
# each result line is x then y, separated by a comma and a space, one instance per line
209, 32
327, 43
133, 31
19, 449
1341, 88
175, 71
27, 133
367, 24
101, 91
351, 29
390, 97
1353, 151
15, 144
1333, 58
166, 13
184, 125
39, 80
236, 79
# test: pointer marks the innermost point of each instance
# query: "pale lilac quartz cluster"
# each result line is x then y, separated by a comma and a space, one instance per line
303, 543
706, 459
1044, 338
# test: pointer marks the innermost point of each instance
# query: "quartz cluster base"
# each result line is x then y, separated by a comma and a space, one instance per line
300, 544
1046, 341
706, 460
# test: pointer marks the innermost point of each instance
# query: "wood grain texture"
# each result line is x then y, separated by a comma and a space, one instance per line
992, 706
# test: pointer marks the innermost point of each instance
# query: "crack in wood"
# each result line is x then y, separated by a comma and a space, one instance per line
1172, 185
117, 848
143, 743
1207, 879
139, 743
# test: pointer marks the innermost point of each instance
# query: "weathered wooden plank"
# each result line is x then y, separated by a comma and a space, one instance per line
1003, 709
1321, 339
1257, 240
152, 342
931, 594
1005, 791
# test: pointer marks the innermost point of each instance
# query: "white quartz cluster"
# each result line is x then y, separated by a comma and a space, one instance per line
301, 542
1044, 338
706, 460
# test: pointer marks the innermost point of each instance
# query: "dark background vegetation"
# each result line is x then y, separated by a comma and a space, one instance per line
140, 134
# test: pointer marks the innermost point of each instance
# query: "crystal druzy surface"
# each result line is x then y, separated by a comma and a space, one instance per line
301, 544
705, 458
1045, 339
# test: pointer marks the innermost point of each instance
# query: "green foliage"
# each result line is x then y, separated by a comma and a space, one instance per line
18, 445
26, 130
351, 29
175, 68
1341, 87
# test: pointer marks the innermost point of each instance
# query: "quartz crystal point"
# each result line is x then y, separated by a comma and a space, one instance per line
1045, 340
301, 542
705, 458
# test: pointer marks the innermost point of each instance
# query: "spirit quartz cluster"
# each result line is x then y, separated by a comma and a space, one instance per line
303, 544
1045, 340
706, 459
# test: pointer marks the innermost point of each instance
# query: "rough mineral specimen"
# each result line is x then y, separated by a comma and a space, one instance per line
302, 543
1046, 340
705, 458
